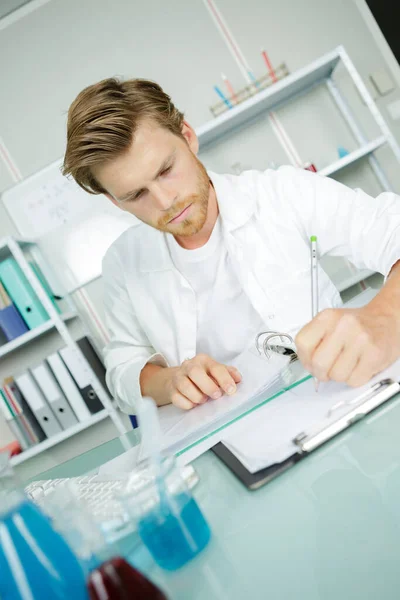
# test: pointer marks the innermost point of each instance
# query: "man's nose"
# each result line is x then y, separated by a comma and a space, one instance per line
163, 199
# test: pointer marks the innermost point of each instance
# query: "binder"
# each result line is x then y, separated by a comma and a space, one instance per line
45, 284
11, 421
97, 366
3, 338
30, 417
339, 418
17, 409
68, 386
22, 293
190, 431
4, 297
42, 411
80, 371
54, 396
11, 323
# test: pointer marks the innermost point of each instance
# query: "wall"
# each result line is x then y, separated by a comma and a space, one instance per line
63, 46
52, 53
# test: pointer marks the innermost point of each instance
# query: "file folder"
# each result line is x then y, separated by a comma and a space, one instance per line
12, 323
3, 338
45, 284
11, 421
54, 396
188, 434
95, 363
34, 397
4, 297
69, 387
80, 371
19, 414
30, 417
22, 293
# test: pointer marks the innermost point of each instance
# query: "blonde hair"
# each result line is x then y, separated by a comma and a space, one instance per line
102, 122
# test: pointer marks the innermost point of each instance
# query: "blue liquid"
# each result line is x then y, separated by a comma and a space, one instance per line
174, 540
35, 561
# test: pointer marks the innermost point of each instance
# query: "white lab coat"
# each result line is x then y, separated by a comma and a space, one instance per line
267, 221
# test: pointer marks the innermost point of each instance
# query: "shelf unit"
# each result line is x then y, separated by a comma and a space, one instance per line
278, 94
319, 72
11, 246
353, 157
60, 437
33, 334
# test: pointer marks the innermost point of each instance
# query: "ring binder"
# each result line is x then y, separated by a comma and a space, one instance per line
281, 348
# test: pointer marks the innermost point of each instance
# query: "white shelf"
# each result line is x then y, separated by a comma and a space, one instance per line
23, 242
279, 93
60, 437
5, 250
56, 321
353, 157
32, 334
353, 279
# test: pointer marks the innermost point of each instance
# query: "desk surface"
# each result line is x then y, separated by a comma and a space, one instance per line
328, 529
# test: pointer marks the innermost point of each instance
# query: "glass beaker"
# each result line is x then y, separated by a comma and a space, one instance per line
169, 520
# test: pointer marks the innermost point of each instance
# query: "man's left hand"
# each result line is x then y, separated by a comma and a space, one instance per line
349, 345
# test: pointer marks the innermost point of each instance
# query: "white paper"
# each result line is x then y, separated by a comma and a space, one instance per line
265, 437
181, 428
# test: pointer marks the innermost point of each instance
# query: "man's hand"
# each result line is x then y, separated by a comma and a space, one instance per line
350, 345
191, 383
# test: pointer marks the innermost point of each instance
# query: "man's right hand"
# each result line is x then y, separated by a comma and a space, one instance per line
190, 384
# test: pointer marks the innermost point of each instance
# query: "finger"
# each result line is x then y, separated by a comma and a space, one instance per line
363, 371
181, 402
345, 363
237, 377
204, 382
344, 335
311, 335
189, 390
223, 378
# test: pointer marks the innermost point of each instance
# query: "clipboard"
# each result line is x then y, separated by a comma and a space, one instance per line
309, 441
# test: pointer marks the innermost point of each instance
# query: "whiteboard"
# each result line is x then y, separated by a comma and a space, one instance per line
73, 229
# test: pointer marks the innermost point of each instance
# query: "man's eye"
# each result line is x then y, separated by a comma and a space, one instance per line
167, 170
138, 195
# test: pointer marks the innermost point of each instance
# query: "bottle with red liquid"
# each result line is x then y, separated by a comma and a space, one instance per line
116, 579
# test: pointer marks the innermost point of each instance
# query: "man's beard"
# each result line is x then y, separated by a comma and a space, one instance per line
195, 223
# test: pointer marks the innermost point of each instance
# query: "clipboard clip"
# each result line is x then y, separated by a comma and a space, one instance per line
286, 345
359, 407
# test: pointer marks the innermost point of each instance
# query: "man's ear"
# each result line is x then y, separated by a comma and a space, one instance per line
190, 136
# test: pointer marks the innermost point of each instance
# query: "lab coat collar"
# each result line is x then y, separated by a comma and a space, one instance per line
235, 202
236, 206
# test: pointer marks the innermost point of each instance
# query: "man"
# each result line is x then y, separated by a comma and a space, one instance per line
218, 259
